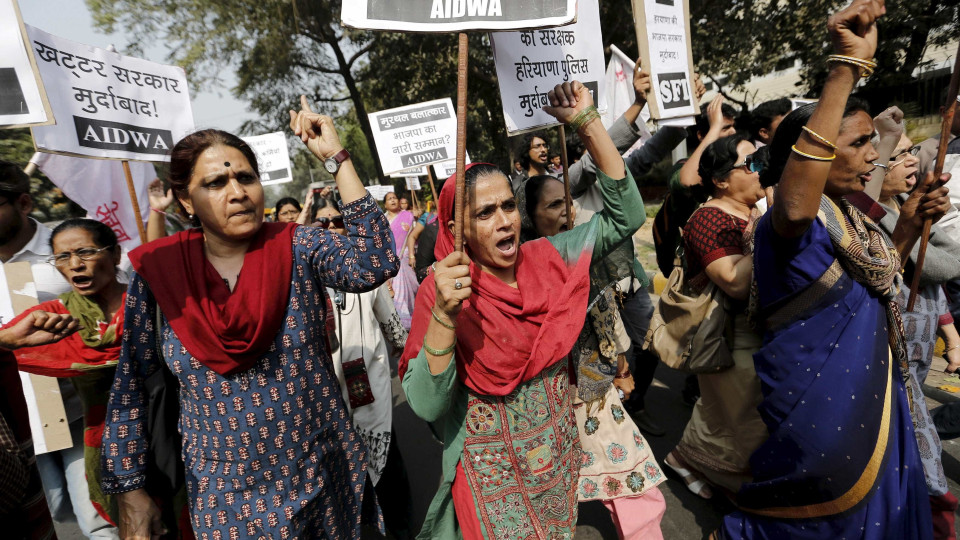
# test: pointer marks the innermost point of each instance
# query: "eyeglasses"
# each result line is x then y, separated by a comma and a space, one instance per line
85, 254
749, 164
898, 159
328, 223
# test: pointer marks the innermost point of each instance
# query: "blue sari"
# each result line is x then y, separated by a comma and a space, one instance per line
841, 460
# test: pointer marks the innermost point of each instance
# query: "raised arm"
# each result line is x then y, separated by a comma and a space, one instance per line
853, 31
688, 173
889, 125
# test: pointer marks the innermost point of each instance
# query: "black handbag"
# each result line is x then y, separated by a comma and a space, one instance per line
165, 472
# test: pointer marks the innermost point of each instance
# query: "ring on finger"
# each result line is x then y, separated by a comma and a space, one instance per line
457, 285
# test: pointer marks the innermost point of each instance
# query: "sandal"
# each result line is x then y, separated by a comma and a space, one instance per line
694, 483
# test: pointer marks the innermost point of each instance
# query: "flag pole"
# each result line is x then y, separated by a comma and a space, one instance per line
133, 200
462, 60
948, 114
567, 199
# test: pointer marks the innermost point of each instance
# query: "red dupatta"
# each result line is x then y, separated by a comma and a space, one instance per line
225, 331
69, 357
507, 335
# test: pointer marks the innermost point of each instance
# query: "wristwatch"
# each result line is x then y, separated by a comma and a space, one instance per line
332, 163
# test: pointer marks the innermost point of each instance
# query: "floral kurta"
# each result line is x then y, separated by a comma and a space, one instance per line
270, 452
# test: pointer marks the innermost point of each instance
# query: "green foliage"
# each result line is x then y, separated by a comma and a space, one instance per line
50, 204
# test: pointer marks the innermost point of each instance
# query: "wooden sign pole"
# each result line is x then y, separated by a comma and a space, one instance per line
567, 199
949, 112
133, 200
436, 194
461, 140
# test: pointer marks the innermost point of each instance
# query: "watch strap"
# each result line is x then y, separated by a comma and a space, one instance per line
340, 156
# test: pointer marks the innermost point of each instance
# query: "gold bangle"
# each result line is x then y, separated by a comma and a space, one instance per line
440, 352
820, 138
813, 157
437, 318
867, 67
585, 117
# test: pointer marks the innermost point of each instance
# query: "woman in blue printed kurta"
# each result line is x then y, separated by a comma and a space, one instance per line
268, 445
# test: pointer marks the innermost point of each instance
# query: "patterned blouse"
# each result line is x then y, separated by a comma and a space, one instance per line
269, 452
710, 234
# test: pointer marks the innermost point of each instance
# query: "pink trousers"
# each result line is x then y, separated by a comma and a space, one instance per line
638, 517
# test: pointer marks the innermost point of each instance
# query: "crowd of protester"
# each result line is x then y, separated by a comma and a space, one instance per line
235, 379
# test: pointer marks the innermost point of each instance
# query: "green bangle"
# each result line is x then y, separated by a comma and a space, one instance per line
436, 318
440, 352
581, 116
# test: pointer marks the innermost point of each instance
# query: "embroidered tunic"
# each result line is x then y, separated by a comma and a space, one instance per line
270, 452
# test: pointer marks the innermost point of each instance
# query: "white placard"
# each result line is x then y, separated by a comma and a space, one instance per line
445, 170
530, 63
407, 173
379, 192
663, 32
415, 135
456, 15
109, 105
273, 157
413, 183
23, 101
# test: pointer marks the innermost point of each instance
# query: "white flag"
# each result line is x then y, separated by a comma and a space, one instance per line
619, 86
100, 187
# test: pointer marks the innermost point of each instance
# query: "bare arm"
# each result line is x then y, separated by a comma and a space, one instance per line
411, 241
454, 268
732, 274
890, 127
160, 200
952, 351
854, 33
688, 173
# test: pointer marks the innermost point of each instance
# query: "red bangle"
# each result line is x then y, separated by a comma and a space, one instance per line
625, 375
158, 211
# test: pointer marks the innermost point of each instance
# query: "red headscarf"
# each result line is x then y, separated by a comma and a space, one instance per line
507, 335
227, 332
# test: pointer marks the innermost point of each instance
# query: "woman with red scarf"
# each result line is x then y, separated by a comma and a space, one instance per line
76, 336
236, 309
486, 359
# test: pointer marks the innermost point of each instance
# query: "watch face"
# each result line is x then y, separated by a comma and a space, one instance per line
331, 165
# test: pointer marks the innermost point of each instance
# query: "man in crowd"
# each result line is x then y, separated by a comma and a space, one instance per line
23, 239
765, 119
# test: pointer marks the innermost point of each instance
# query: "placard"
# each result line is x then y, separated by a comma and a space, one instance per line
413, 183
379, 192
109, 105
273, 157
663, 33
407, 173
45, 412
23, 101
415, 135
445, 170
456, 15
530, 63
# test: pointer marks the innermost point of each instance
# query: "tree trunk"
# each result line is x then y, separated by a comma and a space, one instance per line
357, 103
918, 41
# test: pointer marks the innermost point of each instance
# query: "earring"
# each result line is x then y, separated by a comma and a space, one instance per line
190, 216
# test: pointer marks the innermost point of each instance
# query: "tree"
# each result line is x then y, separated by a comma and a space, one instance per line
49, 203
280, 48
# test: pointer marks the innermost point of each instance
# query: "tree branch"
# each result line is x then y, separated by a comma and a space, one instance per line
321, 69
356, 56
743, 104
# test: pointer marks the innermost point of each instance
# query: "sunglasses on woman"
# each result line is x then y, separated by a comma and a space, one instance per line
749, 164
328, 223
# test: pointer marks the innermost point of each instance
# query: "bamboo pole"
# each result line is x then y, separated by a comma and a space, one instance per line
433, 188
133, 200
461, 139
948, 114
567, 199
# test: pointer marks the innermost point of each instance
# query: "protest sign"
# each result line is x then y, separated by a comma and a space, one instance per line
45, 411
415, 135
530, 63
108, 105
663, 33
448, 168
99, 187
456, 15
413, 172
23, 101
413, 183
379, 192
273, 157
